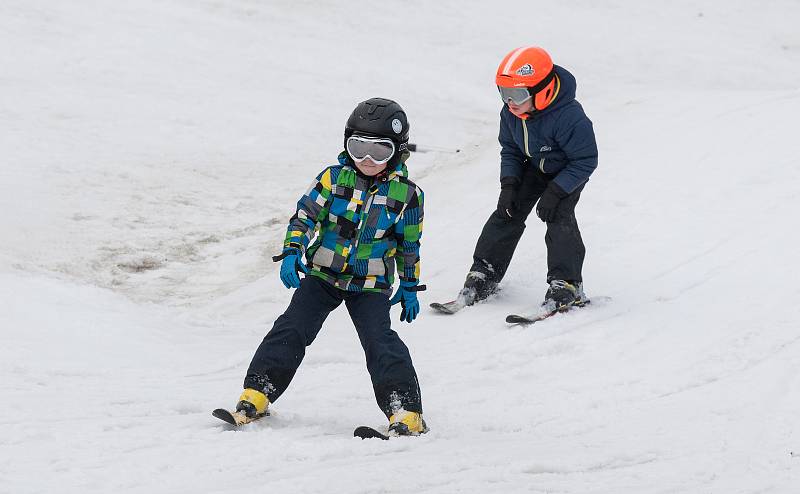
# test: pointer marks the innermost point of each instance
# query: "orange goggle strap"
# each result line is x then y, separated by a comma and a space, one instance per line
543, 97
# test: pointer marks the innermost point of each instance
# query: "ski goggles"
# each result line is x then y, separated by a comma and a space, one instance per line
378, 149
517, 95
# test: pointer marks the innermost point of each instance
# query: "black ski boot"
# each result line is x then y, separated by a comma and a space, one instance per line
477, 287
563, 294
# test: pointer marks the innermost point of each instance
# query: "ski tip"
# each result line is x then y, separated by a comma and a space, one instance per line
515, 319
224, 415
365, 432
446, 308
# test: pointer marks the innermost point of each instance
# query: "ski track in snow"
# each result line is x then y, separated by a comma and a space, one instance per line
153, 152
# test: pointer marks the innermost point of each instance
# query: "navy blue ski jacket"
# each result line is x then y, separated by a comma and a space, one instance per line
558, 140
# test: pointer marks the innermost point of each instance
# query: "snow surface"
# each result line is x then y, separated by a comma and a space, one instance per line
152, 151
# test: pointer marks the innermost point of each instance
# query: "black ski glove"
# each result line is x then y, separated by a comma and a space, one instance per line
548, 203
507, 204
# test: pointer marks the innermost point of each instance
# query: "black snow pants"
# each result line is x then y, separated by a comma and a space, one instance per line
276, 360
500, 235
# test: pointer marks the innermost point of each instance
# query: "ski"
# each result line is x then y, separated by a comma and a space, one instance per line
235, 418
543, 314
366, 432
448, 307
465, 298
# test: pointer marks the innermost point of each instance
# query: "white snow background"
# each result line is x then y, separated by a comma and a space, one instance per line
151, 153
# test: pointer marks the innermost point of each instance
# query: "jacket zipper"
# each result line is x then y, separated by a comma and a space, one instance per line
525, 137
361, 221
528, 153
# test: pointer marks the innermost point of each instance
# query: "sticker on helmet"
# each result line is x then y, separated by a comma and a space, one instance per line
525, 70
397, 126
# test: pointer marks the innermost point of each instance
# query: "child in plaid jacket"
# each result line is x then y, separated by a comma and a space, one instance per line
367, 217
365, 227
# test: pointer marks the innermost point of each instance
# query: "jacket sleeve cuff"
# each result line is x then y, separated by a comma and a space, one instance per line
557, 189
287, 251
510, 181
294, 245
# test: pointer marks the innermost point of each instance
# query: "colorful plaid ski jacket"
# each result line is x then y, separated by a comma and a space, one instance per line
365, 228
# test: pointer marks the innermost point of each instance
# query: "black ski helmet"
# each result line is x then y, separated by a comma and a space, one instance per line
380, 117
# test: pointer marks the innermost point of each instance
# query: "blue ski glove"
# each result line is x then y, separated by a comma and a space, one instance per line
407, 296
290, 267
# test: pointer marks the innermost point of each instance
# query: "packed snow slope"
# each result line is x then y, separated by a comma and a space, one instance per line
151, 153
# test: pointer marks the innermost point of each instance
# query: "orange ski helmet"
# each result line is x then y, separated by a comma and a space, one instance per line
528, 67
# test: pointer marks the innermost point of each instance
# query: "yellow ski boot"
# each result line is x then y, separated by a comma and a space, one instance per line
404, 423
252, 406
